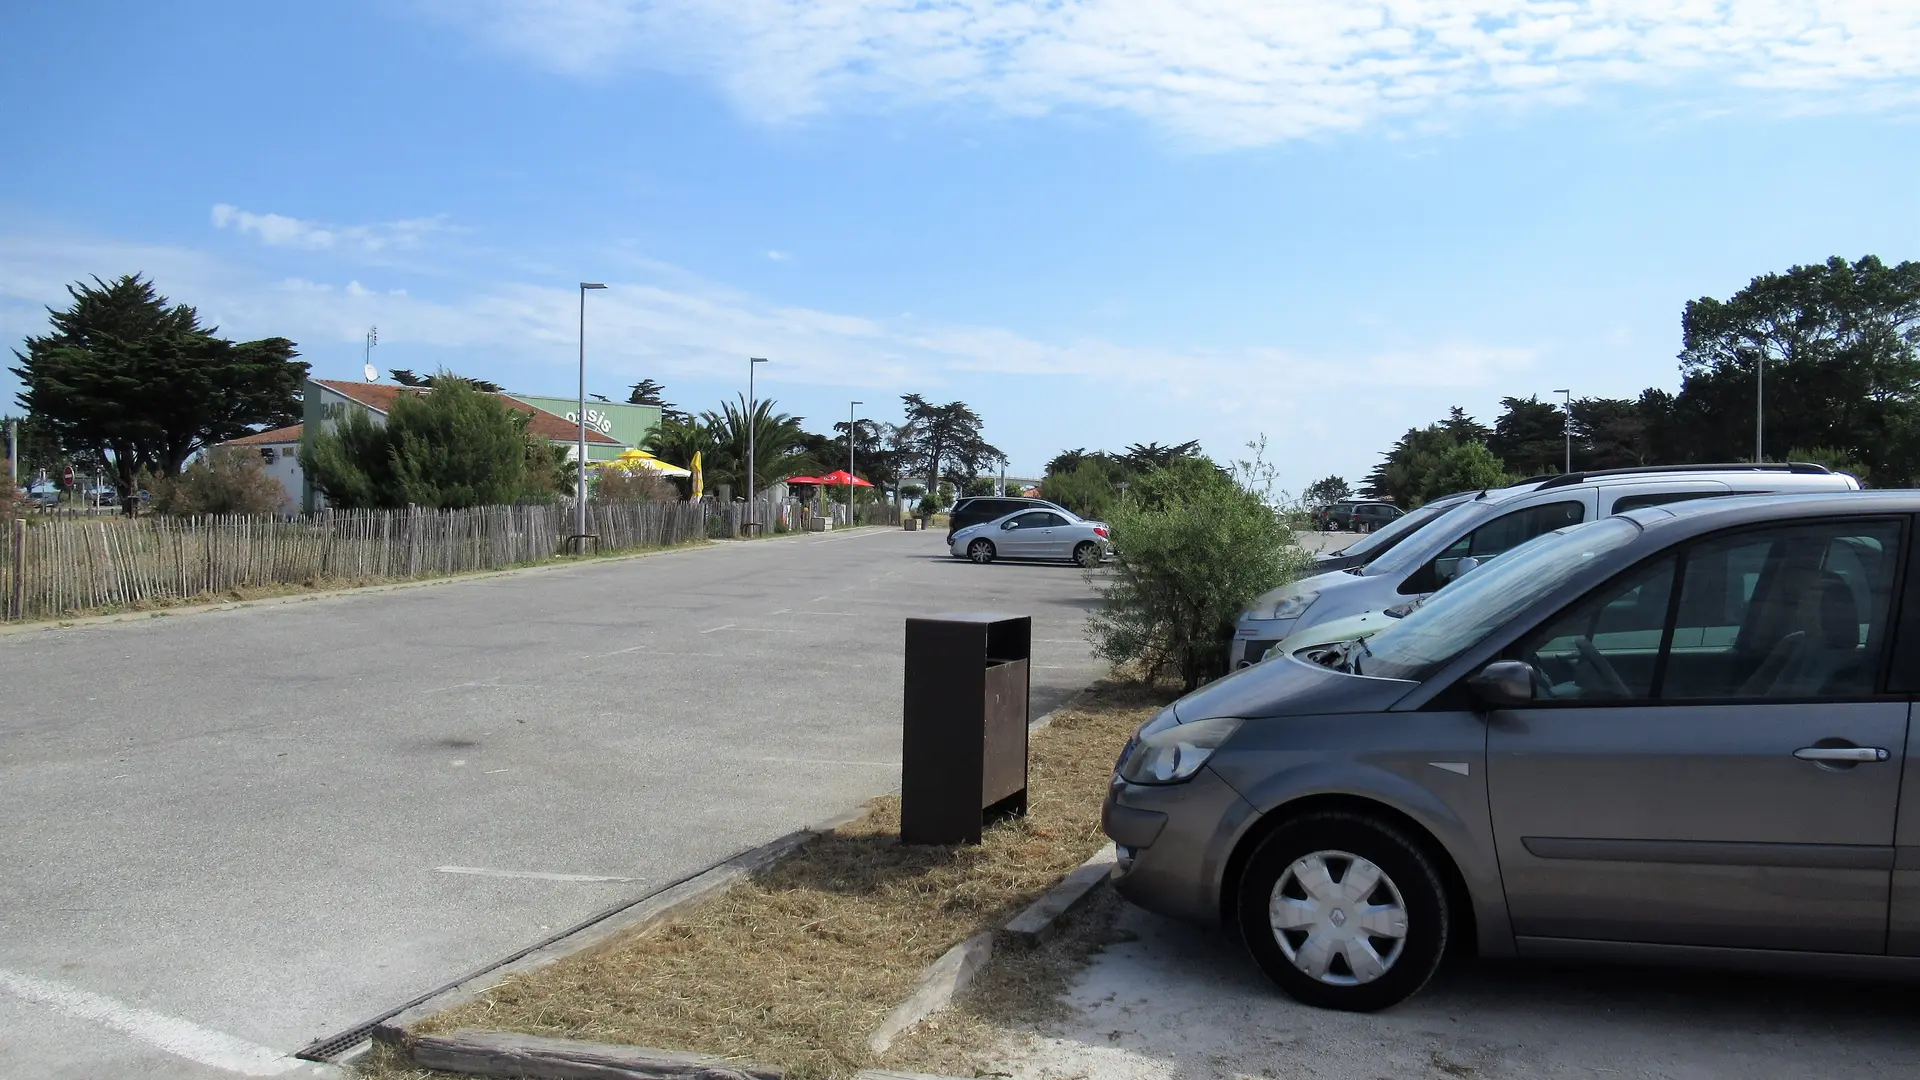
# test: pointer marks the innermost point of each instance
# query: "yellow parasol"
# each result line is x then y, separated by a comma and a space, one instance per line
699, 479
632, 458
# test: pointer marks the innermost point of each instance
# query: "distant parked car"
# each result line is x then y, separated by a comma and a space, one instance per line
1358, 516
983, 508
1034, 534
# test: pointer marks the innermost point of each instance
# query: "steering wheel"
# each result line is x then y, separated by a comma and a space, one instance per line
1610, 679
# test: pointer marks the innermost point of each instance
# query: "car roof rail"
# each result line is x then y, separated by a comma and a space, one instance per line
1804, 467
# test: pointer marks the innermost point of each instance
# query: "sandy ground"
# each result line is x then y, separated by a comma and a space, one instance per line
1169, 1000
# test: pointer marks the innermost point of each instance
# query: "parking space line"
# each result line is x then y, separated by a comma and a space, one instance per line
717, 629
534, 875
181, 1038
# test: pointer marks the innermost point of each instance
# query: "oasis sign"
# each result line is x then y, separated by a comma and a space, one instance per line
596, 420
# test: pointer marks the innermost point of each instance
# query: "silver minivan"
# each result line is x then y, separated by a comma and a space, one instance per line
1677, 734
1490, 522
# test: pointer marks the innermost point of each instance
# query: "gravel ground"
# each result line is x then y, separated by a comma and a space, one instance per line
1170, 1000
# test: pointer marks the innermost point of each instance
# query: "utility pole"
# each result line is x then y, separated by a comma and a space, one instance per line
580, 486
1566, 424
1759, 406
753, 516
852, 422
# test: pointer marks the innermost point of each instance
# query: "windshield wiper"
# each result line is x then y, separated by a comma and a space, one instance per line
1353, 655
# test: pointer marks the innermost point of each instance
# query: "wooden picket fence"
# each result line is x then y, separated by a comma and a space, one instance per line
50, 567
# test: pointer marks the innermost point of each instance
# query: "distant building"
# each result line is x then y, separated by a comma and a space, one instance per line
328, 400
628, 425
280, 451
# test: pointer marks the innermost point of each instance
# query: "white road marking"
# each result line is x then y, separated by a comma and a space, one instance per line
536, 875
717, 629
491, 772
829, 761
768, 630
816, 599
848, 614
181, 1038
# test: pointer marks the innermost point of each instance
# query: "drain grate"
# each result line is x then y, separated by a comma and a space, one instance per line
330, 1048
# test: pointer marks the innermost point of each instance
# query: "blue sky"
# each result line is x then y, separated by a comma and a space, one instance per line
1097, 221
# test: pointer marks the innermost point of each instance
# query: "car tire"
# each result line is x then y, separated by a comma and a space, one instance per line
1314, 943
1087, 555
981, 552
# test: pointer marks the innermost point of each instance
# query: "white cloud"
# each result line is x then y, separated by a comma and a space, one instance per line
277, 230
525, 335
779, 256
1224, 72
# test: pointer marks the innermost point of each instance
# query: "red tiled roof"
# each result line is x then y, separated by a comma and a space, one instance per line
268, 438
546, 425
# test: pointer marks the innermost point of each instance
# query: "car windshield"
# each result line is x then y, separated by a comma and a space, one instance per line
1452, 523
1462, 615
1376, 543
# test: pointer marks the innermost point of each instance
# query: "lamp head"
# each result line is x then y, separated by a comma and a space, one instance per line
591, 285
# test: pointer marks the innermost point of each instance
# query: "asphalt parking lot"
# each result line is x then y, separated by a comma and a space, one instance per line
1174, 1001
231, 833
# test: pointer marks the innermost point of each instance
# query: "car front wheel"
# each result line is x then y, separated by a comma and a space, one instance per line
1344, 912
981, 551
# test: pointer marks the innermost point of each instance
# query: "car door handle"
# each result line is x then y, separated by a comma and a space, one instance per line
1842, 753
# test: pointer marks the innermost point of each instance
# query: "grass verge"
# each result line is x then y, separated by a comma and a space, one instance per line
796, 967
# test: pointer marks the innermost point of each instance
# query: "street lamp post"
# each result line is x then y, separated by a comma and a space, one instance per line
1759, 406
852, 422
753, 515
1566, 424
580, 487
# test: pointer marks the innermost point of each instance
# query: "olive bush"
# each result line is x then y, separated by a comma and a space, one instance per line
1193, 546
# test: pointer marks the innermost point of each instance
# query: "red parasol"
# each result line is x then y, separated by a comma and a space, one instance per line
804, 480
840, 478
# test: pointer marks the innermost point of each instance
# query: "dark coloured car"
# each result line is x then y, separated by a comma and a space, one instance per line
983, 508
1358, 516
1676, 734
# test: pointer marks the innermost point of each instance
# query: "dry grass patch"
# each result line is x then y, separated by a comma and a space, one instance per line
796, 967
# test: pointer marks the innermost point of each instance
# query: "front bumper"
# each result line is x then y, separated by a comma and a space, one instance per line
1253, 637
1173, 841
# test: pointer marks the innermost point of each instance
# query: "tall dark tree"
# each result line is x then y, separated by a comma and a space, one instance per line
1326, 491
134, 379
405, 377
1143, 458
945, 443
1463, 428
1610, 433
1530, 436
1066, 461
1402, 477
1840, 345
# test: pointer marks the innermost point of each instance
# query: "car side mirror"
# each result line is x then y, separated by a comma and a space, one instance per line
1009, 525
1464, 567
1504, 684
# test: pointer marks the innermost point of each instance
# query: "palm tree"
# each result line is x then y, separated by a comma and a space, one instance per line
775, 437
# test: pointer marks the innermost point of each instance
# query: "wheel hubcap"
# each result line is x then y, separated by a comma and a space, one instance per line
1338, 918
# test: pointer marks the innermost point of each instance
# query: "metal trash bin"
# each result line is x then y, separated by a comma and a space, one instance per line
963, 759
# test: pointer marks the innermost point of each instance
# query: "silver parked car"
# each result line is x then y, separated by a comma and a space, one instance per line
1677, 735
1489, 523
1034, 534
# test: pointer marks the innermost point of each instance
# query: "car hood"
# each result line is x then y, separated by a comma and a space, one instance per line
1312, 583
1287, 686
1334, 631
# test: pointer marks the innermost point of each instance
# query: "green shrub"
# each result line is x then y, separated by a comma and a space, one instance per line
224, 480
450, 448
1193, 548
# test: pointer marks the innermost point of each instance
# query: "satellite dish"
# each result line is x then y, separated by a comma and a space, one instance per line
373, 373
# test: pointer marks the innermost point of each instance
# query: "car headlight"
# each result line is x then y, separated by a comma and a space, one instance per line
1175, 752
1292, 607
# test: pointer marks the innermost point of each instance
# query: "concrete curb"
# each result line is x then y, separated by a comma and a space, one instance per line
956, 969
1041, 920
942, 982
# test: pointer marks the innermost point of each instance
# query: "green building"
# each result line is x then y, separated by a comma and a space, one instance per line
627, 425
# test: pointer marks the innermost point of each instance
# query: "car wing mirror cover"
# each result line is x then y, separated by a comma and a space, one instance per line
1504, 683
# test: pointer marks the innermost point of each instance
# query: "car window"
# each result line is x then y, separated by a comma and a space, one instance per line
1033, 519
1485, 601
1501, 534
1792, 612
1047, 518
1381, 541
1607, 645
1659, 498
